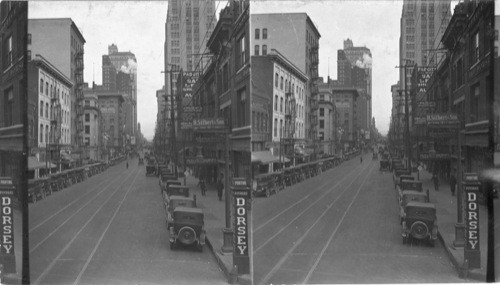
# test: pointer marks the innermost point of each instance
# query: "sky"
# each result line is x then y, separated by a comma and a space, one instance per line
373, 24
136, 26
139, 27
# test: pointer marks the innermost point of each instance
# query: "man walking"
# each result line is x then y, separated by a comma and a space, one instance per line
453, 184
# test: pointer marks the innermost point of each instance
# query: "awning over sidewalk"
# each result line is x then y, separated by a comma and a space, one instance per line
266, 157
33, 163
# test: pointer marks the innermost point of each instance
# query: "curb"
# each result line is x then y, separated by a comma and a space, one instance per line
462, 272
219, 260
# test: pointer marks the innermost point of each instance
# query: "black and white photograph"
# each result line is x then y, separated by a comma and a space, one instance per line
249, 142
371, 127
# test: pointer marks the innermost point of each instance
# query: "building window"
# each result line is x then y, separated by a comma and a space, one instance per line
47, 88
8, 49
41, 108
257, 34
321, 112
46, 134
241, 51
47, 110
322, 124
264, 49
276, 80
281, 128
474, 108
275, 102
475, 48
264, 33
87, 129
275, 127
241, 107
281, 104
321, 136
281, 83
41, 86
29, 38
87, 117
41, 133
9, 107
256, 49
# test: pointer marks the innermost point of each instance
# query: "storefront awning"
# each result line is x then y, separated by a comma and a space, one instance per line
33, 163
266, 157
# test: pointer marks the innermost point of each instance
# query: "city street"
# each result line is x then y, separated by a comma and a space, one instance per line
341, 227
110, 229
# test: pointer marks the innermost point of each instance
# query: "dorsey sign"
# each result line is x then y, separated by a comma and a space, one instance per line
241, 194
471, 191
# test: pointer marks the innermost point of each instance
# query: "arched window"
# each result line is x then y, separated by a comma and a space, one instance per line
41, 133
41, 86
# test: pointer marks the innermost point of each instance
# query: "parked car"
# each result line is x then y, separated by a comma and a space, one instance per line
178, 190
420, 222
398, 173
264, 185
408, 196
187, 228
171, 183
175, 201
151, 168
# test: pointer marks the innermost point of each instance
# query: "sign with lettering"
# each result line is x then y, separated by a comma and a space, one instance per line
472, 244
200, 160
7, 256
209, 123
241, 244
442, 119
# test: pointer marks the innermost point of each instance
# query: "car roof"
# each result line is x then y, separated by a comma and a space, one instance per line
421, 205
178, 197
413, 192
187, 209
179, 186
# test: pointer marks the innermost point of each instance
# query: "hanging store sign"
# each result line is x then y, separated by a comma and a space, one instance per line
200, 160
472, 251
209, 123
442, 119
434, 156
7, 256
241, 244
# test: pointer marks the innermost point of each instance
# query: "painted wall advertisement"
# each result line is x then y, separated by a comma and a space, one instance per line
7, 256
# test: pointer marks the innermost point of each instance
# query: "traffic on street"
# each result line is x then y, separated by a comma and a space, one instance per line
111, 229
342, 226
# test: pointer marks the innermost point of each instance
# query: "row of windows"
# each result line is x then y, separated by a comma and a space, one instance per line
264, 50
287, 86
264, 34
47, 136
298, 129
52, 92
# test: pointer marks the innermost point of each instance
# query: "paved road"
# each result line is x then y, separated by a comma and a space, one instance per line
340, 227
110, 229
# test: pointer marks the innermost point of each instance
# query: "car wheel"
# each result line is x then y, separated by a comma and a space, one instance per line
187, 235
419, 230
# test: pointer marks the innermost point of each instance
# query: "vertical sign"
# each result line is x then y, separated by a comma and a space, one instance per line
471, 190
241, 194
7, 257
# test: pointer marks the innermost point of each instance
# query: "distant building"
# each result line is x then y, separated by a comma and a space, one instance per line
61, 43
92, 126
345, 100
111, 107
49, 111
328, 116
278, 102
296, 37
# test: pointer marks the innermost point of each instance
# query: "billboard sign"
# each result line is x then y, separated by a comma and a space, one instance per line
472, 253
241, 243
209, 123
7, 256
442, 119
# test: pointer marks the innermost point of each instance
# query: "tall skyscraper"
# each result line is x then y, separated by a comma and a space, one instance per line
423, 24
187, 29
354, 69
119, 73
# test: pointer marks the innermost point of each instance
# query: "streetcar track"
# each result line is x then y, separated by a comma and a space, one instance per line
74, 201
32, 249
104, 232
299, 241
313, 268
66, 247
299, 215
296, 203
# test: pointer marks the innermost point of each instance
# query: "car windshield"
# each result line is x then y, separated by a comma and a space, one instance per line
188, 217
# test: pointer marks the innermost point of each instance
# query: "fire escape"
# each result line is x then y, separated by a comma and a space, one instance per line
314, 94
79, 97
290, 121
55, 126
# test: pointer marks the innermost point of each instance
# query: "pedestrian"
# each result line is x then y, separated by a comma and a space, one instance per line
453, 184
435, 180
127, 164
220, 188
203, 186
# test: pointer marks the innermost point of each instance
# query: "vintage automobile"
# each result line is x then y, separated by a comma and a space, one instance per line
409, 183
141, 161
264, 185
169, 183
187, 228
385, 165
178, 190
151, 168
420, 222
408, 196
175, 201
405, 177
397, 173
164, 178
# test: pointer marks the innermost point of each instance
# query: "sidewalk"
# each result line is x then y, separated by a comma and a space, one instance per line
446, 211
214, 223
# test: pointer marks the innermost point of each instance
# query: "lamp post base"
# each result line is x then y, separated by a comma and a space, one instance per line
459, 235
227, 247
